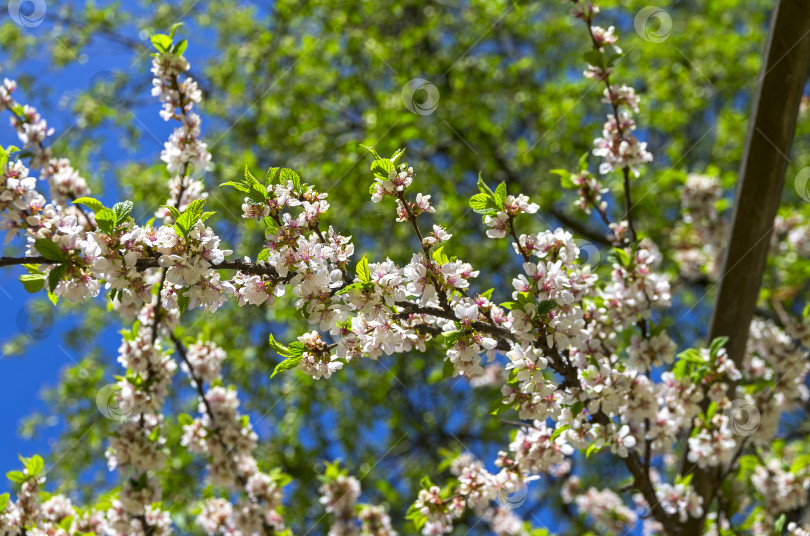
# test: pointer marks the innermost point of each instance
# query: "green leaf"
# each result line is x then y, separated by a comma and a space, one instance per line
33, 282
190, 216
679, 370
174, 28
287, 364
363, 274
122, 211
397, 155
16, 476
559, 430
4, 499
483, 204
779, 525
279, 348
500, 195
49, 250
545, 306
182, 303
55, 276
566, 179
595, 58
440, 256
292, 176
483, 188
65, 523
35, 465
382, 168
271, 174
185, 419
583, 161
591, 449
180, 47
93, 204
717, 344
371, 150
237, 185
161, 42
106, 219
619, 256
347, 288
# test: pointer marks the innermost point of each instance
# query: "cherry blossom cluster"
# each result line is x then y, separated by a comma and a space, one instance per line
64, 181
700, 239
39, 513
185, 154
607, 509
477, 489
226, 438
618, 148
339, 494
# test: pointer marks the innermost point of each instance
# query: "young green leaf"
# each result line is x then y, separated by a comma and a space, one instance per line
34, 465
122, 211
106, 220
287, 364
483, 188
16, 476
363, 275
382, 168
33, 282
161, 42
55, 276
483, 204
500, 195
180, 47
93, 204
279, 348
49, 250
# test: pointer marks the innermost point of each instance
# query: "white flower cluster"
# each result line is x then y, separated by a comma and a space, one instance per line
477, 489
701, 238
618, 148
186, 155
64, 182
513, 206
607, 509
339, 495
34, 514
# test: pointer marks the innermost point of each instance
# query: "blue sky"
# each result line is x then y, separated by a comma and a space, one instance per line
44, 356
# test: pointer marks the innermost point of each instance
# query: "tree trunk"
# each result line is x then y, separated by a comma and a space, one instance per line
761, 179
